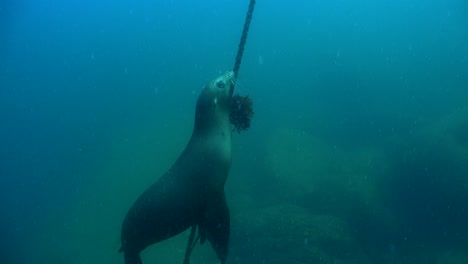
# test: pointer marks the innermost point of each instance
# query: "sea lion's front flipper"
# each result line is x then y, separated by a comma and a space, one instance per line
216, 225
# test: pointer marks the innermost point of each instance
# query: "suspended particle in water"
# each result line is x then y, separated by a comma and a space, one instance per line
260, 60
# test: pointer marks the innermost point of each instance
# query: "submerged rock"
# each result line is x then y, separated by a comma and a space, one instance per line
290, 234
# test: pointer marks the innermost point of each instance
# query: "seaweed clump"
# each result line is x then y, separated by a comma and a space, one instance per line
241, 112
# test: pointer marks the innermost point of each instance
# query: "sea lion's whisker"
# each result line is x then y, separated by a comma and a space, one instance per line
237, 83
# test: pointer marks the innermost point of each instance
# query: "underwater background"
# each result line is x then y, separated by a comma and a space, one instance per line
357, 153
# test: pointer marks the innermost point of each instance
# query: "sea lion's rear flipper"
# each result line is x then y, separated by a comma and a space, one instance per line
132, 258
216, 225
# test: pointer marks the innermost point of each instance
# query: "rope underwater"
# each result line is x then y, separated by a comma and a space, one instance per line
242, 106
243, 40
240, 115
191, 244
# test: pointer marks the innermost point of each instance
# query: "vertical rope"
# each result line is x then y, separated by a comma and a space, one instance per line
191, 244
240, 51
245, 32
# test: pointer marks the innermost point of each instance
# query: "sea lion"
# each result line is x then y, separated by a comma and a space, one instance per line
191, 192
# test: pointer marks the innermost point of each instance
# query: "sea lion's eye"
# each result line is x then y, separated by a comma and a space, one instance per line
220, 84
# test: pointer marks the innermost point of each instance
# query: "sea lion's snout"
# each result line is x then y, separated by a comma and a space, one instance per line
231, 78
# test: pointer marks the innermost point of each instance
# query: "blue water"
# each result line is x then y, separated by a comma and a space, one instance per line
361, 121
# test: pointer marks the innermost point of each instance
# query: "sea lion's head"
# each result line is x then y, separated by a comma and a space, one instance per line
220, 88
214, 102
